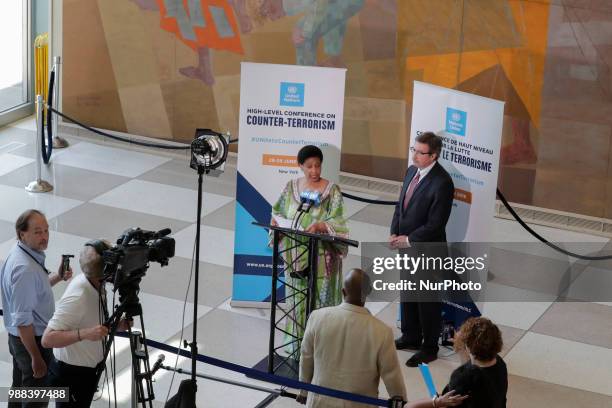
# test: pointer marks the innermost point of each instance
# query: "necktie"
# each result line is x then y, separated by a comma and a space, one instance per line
411, 188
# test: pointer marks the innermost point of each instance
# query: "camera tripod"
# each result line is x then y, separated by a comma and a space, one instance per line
142, 374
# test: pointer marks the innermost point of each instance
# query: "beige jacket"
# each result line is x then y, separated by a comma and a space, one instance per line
348, 349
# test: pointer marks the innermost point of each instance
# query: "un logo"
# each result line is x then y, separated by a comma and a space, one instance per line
291, 94
456, 121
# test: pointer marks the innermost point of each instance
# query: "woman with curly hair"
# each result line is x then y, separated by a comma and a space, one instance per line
484, 377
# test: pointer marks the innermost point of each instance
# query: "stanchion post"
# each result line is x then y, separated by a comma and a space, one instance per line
58, 142
39, 185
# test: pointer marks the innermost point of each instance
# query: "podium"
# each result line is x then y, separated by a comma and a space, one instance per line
306, 246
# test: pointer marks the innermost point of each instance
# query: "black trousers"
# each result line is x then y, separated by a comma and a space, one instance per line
422, 310
422, 324
23, 376
81, 382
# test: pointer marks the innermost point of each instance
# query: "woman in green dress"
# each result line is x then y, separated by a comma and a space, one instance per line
326, 218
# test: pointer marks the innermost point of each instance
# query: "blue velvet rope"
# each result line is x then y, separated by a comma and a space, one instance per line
271, 378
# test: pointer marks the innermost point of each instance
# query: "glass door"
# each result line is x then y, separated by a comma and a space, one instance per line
14, 38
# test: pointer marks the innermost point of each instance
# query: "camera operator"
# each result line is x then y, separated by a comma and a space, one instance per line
76, 331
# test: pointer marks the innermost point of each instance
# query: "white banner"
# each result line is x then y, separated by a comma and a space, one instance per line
282, 109
471, 128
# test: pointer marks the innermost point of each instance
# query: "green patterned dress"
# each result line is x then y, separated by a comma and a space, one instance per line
329, 276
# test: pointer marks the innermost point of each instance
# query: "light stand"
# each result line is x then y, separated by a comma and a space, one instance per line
194, 343
208, 151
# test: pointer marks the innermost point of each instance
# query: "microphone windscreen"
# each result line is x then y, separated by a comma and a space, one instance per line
163, 232
315, 198
305, 196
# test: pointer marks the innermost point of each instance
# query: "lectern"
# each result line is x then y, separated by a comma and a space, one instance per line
306, 248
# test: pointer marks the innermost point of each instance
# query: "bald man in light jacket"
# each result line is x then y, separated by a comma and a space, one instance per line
348, 349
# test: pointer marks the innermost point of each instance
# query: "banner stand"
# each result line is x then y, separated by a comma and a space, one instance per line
282, 109
471, 129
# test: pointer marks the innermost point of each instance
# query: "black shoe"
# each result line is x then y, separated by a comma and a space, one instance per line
421, 357
403, 344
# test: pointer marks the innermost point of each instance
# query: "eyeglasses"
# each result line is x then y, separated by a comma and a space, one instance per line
420, 153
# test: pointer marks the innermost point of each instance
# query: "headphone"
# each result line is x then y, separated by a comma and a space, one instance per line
99, 245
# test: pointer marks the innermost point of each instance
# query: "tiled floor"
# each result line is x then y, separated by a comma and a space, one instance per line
558, 354
12, 163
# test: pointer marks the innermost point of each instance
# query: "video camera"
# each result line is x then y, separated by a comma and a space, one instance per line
127, 262
124, 266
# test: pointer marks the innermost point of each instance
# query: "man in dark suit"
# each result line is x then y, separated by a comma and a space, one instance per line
420, 217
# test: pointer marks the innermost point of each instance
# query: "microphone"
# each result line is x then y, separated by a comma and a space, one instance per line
315, 198
309, 199
141, 235
157, 364
162, 233
303, 200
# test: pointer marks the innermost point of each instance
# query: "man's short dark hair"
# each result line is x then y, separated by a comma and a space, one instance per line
307, 152
433, 141
22, 223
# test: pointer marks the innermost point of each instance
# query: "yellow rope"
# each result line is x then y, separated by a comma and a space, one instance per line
41, 65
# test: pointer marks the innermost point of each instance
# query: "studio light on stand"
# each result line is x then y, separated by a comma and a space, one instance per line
208, 152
